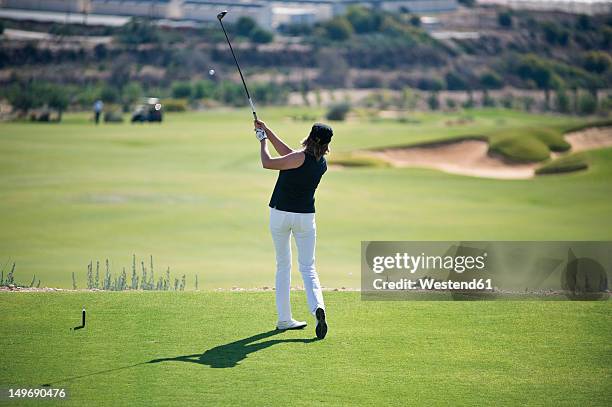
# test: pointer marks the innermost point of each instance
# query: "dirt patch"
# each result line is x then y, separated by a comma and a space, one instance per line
471, 157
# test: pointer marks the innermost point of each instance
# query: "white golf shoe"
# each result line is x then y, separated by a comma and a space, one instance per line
293, 324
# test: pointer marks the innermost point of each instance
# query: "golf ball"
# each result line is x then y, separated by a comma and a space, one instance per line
211, 72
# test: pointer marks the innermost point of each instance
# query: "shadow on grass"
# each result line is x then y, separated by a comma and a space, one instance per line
230, 354
223, 356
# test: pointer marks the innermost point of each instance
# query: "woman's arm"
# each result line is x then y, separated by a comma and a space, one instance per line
286, 162
279, 145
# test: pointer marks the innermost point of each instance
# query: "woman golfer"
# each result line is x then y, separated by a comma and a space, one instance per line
292, 211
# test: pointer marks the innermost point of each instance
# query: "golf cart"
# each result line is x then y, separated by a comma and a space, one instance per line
149, 111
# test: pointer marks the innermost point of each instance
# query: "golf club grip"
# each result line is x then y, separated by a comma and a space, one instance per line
253, 108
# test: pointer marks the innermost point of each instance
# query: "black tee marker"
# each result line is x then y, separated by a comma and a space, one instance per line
82, 321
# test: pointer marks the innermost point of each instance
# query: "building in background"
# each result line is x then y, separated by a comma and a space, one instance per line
590, 7
268, 13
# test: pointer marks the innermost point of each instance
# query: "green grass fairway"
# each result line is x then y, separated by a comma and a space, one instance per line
193, 348
192, 193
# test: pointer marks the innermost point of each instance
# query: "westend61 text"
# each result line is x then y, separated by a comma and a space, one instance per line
431, 284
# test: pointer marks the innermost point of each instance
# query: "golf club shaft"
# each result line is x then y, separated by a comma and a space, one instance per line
239, 70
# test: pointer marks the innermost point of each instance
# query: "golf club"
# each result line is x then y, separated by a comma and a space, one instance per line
220, 17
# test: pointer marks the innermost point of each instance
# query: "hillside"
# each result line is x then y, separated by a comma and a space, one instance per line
566, 57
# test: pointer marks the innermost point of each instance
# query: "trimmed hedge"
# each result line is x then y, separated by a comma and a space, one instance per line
520, 149
568, 163
527, 144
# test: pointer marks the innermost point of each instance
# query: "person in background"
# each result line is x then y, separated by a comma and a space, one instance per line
97, 107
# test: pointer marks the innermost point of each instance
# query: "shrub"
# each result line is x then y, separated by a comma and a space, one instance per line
181, 90
569, 163
338, 111
174, 105
368, 82
113, 116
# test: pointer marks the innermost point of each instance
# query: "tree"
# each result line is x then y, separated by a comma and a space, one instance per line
338, 29
57, 98
138, 31
504, 19
109, 94
261, 36
100, 51
120, 73
597, 61
244, 26
555, 34
433, 101
533, 68
131, 93
203, 90
584, 22
364, 20
587, 103
562, 101
454, 82
490, 80
22, 98
181, 90
434, 84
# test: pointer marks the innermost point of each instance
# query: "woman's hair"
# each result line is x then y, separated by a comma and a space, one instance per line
317, 142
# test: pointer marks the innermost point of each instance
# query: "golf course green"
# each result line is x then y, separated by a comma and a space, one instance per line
147, 348
191, 192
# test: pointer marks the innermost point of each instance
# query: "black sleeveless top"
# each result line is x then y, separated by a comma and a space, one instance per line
295, 188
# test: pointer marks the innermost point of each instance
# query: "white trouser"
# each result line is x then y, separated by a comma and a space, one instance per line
304, 230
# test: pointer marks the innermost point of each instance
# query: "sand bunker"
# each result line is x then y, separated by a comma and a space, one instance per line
471, 157
590, 139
